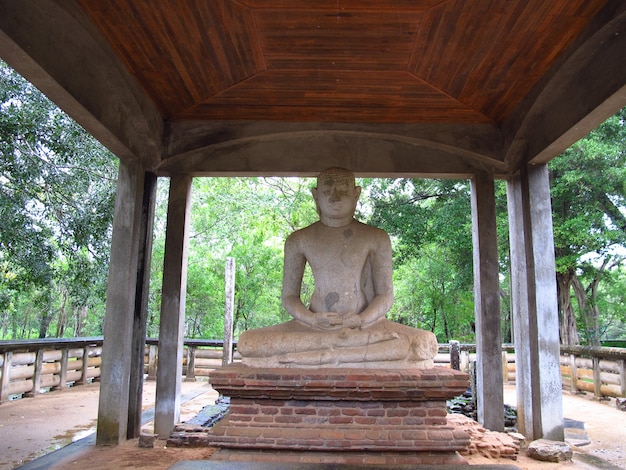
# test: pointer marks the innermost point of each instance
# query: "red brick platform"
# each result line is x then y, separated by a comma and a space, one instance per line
339, 415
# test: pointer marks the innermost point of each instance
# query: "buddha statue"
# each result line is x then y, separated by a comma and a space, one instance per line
344, 325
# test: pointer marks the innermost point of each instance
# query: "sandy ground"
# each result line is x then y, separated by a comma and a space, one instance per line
32, 427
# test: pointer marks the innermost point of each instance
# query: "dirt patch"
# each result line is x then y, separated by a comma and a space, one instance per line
130, 455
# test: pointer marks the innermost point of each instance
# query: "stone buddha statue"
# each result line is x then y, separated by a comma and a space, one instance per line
345, 324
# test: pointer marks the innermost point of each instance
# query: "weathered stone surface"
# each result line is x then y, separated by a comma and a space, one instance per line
344, 325
147, 440
549, 451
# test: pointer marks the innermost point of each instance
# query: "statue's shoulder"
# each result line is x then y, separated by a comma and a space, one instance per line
303, 234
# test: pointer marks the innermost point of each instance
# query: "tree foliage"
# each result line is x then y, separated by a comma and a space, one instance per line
430, 222
56, 204
588, 204
247, 219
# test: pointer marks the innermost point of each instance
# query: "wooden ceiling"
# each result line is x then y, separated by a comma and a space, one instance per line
385, 87
401, 61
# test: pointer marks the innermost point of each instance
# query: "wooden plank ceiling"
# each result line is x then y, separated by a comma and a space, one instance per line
402, 61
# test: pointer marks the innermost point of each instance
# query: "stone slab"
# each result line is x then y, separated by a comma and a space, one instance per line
218, 465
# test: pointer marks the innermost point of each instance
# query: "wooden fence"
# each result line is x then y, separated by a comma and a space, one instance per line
28, 367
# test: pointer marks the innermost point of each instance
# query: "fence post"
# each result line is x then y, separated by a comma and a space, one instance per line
455, 359
63, 373
191, 364
152, 361
597, 384
5, 378
83, 378
622, 377
465, 361
37, 366
574, 372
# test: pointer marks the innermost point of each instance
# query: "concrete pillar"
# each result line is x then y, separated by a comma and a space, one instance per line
534, 305
120, 305
171, 327
141, 306
489, 390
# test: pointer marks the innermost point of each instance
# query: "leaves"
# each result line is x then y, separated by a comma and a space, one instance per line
430, 221
588, 188
56, 200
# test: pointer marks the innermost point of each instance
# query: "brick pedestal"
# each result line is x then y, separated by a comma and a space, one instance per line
339, 415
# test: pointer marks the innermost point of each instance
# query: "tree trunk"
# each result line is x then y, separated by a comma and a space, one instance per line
569, 330
44, 323
62, 317
588, 312
81, 317
446, 329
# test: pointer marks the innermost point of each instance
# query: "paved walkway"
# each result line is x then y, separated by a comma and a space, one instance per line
36, 427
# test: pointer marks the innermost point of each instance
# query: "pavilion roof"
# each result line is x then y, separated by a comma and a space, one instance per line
403, 87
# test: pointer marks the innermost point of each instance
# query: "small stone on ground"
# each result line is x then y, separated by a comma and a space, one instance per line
549, 451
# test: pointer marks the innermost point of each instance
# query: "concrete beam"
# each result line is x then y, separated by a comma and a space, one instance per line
524, 325
585, 87
490, 394
141, 306
171, 326
304, 149
56, 47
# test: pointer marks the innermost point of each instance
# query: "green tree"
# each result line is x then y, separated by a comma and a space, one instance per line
588, 188
427, 295
430, 222
56, 204
611, 301
244, 218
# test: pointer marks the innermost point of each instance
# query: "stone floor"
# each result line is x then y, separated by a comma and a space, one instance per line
216, 465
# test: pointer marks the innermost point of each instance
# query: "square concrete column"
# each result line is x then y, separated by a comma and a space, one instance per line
120, 307
489, 379
171, 326
141, 306
534, 305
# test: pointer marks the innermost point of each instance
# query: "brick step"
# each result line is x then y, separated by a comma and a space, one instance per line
339, 384
396, 438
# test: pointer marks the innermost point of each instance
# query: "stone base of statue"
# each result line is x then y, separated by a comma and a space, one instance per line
338, 415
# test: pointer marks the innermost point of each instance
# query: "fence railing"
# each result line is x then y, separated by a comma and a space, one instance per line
598, 370
28, 367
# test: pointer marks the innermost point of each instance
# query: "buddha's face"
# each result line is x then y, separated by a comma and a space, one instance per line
336, 197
